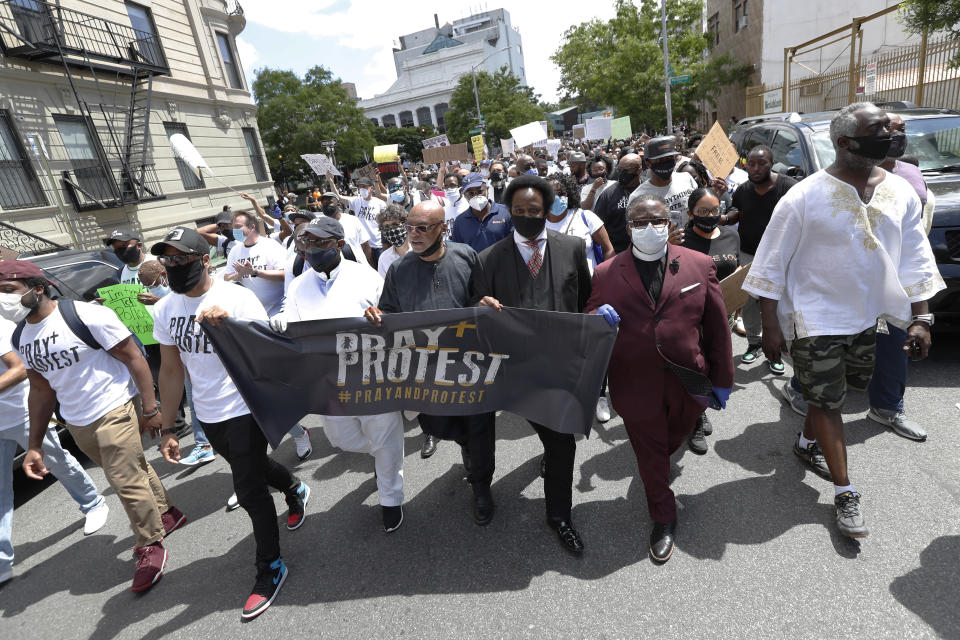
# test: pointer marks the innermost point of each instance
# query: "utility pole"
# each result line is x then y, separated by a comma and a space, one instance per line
666, 65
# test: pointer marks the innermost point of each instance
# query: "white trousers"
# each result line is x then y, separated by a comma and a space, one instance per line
382, 437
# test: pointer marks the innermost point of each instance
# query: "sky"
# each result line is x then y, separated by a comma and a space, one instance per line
355, 39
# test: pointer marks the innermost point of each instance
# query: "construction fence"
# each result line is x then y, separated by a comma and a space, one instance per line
918, 73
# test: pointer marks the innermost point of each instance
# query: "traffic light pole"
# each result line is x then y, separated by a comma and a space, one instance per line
666, 65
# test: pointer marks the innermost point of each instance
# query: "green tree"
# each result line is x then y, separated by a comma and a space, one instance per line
619, 63
410, 139
296, 115
931, 16
505, 103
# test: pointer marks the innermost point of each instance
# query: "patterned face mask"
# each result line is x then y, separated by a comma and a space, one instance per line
395, 235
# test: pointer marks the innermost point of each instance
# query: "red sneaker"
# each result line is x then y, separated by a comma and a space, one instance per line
151, 560
269, 580
172, 520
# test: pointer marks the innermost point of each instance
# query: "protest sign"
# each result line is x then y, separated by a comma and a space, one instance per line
620, 128
385, 153
436, 141
451, 153
598, 128
368, 171
530, 133
734, 296
506, 146
477, 143
447, 362
320, 164
122, 298
553, 147
717, 153
579, 132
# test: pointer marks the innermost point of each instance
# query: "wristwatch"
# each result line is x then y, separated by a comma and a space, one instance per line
255, 273
924, 317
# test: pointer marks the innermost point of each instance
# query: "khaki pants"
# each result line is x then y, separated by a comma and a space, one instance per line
113, 443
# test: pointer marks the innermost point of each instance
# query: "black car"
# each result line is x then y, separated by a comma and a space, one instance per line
78, 274
801, 146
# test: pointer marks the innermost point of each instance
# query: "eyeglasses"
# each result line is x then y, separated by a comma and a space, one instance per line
643, 222
420, 228
177, 259
708, 212
398, 187
311, 240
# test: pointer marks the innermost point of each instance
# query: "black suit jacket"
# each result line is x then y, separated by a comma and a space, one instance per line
565, 263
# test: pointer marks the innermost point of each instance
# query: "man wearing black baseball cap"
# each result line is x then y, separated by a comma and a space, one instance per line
196, 297
665, 184
577, 162
126, 244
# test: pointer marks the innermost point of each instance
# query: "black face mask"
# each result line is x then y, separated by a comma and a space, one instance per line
184, 277
899, 145
872, 147
432, 249
706, 223
529, 228
322, 259
496, 176
663, 170
625, 178
602, 175
330, 210
128, 255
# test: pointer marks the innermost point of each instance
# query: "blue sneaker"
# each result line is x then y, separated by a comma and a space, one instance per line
199, 455
298, 504
269, 580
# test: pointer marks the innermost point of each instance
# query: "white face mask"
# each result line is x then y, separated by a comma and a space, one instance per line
478, 203
364, 193
159, 290
650, 243
453, 194
485, 173
12, 308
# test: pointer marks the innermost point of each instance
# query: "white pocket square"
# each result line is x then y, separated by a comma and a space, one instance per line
693, 286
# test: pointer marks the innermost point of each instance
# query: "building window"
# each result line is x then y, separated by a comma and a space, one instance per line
713, 28
88, 168
187, 176
406, 119
230, 63
440, 110
19, 187
423, 117
375, 122
148, 40
256, 155
389, 122
739, 15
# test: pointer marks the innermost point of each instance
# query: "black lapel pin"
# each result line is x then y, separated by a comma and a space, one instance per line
674, 266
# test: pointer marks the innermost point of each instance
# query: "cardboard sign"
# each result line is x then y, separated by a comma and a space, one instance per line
451, 153
506, 146
386, 153
477, 143
122, 298
368, 171
598, 128
620, 128
530, 133
320, 164
436, 141
579, 131
717, 153
734, 296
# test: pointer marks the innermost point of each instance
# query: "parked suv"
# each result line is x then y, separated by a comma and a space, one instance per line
801, 146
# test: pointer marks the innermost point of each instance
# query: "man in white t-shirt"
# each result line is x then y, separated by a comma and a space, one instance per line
256, 263
666, 184
336, 288
96, 388
365, 207
224, 415
15, 430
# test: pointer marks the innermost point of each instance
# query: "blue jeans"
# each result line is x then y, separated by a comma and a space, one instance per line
61, 464
199, 437
889, 371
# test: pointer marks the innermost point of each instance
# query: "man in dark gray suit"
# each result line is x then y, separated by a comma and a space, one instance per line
534, 268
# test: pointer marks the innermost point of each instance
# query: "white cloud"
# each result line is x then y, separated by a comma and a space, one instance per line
372, 26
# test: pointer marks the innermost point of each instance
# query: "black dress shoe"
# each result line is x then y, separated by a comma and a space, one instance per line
543, 466
697, 440
429, 446
568, 535
392, 518
661, 540
465, 456
482, 504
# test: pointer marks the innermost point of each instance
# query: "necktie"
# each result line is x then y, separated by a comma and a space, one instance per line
536, 260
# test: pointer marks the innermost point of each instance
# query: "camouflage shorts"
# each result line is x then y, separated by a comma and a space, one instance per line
826, 365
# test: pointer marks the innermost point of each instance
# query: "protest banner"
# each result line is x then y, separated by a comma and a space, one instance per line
579, 132
598, 128
385, 153
447, 362
530, 133
122, 298
717, 153
451, 153
477, 143
320, 164
620, 128
436, 141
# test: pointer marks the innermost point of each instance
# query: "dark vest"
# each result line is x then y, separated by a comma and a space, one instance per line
535, 293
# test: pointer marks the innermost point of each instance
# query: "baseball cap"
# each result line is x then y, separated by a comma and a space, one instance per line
472, 180
20, 270
183, 239
123, 235
365, 182
661, 147
576, 156
324, 227
225, 217
328, 194
302, 213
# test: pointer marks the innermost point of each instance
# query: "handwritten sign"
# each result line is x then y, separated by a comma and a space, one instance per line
506, 146
477, 143
579, 131
122, 298
439, 155
368, 171
717, 153
530, 133
553, 148
386, 152
620, 128
320, 164
598, 128
436, 141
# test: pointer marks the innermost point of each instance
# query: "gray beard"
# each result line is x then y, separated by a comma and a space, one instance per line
853, 161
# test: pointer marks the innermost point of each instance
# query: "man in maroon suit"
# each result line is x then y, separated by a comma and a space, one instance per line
672, 356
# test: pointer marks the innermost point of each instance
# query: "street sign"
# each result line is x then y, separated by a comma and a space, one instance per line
475, 132
679, 79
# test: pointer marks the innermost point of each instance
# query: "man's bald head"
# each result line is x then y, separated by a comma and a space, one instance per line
524, 163
427, 212
630, 162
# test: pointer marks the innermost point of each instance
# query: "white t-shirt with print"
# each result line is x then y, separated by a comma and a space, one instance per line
215, 397
675, 195
355, 234
130, 275
13, 401
582, 224
89, 383
366, 212
265, 254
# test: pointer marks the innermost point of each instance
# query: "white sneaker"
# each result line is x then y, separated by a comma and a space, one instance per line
232, 503
603, 409
303, 444
96, 517
738, 327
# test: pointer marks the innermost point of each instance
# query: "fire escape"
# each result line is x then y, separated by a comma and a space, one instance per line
119, 62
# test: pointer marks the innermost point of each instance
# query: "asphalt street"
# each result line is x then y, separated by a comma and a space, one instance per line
758, 555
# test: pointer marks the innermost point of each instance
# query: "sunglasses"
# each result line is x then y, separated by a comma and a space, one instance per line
178, 259
421, 228
642, 224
